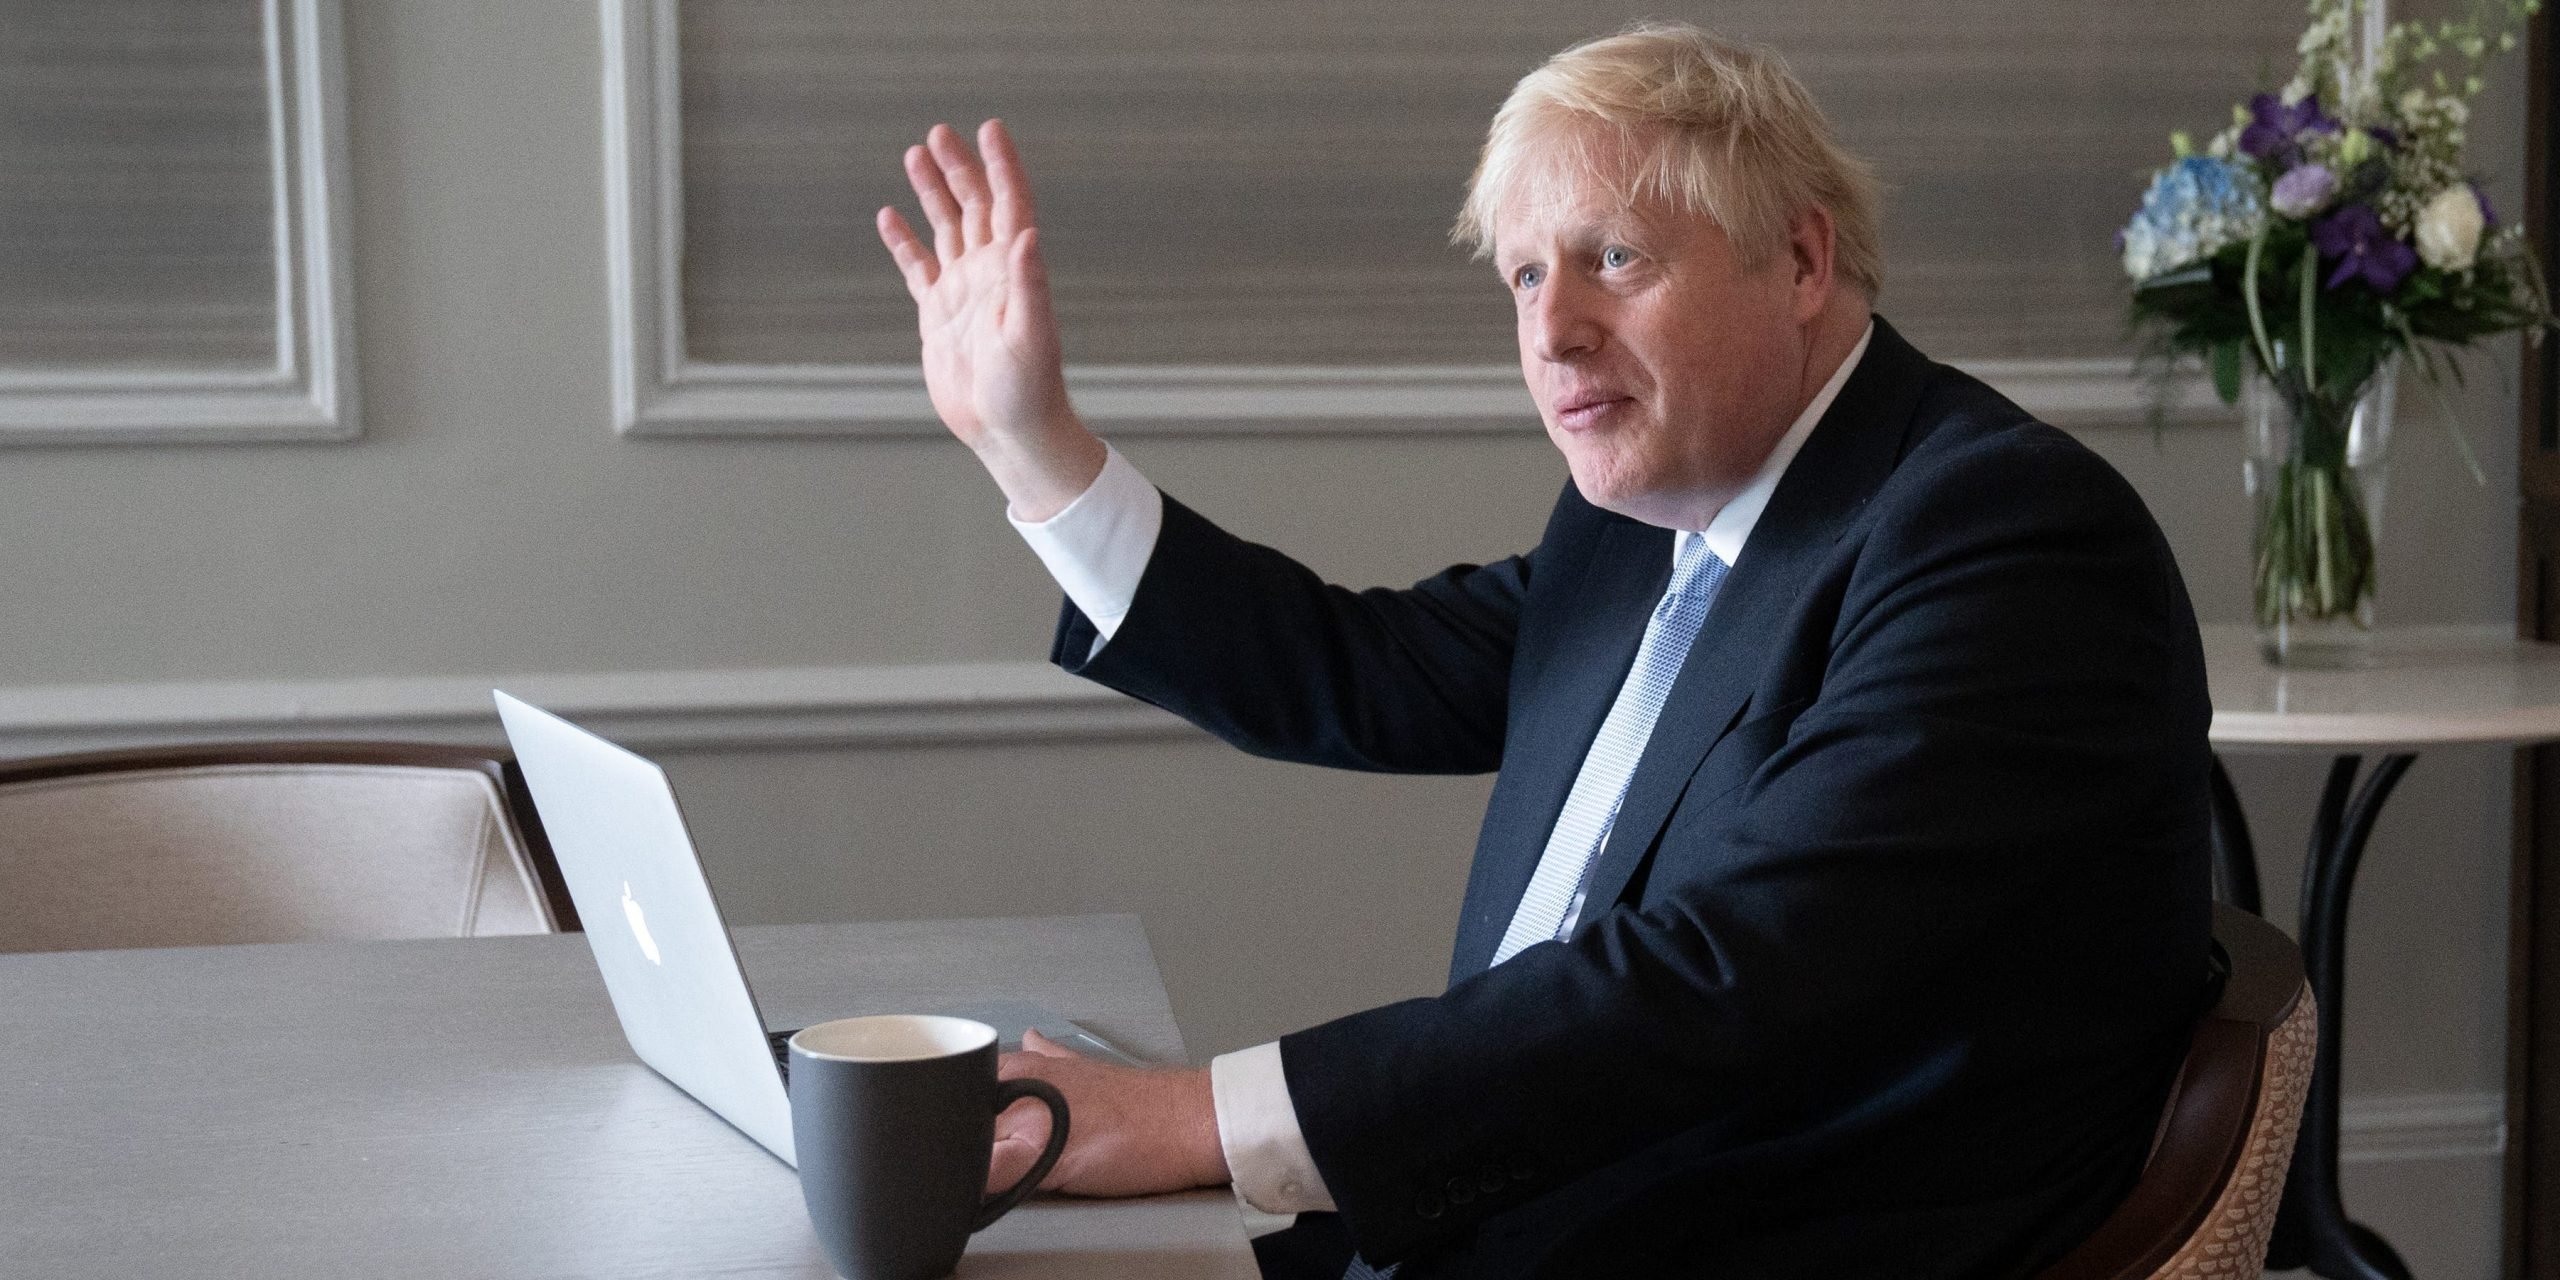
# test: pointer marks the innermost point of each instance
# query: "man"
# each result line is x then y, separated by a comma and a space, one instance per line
1840, 909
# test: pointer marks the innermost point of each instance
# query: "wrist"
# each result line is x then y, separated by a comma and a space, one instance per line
1206, 1152
1042, 470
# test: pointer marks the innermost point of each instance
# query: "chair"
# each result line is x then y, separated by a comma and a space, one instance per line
271, 842
2206, 1201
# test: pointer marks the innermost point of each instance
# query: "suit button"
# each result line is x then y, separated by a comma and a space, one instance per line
1429, 1206
1523, 1167
1461, 1191
1492, 1179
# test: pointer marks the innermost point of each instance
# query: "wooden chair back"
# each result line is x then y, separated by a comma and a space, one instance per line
2206, 1201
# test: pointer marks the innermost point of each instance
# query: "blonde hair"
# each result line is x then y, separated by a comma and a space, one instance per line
1712, 126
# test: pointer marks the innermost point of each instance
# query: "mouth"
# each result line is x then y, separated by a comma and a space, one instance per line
1583, 412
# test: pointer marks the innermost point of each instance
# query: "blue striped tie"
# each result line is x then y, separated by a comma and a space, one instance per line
1554, 900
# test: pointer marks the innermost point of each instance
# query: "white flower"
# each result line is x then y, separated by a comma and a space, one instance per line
2449, 228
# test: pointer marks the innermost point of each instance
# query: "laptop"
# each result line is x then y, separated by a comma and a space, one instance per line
658, 938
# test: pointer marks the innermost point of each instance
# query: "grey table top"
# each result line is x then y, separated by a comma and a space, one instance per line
468, 1108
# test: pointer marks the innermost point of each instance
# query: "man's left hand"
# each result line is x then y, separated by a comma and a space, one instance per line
1131, 1131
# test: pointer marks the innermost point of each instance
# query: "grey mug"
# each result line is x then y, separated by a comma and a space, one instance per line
893, 1119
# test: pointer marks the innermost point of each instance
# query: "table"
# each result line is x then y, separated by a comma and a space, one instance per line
468, 1108
2426, 687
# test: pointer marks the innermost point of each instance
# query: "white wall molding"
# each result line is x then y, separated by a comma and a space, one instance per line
2422, 1126
311, 392
658, 390
2101, 392
663, 710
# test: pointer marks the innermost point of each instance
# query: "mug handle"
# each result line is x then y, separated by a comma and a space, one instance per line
1007, 1093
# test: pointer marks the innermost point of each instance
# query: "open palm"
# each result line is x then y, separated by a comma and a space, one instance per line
991, 355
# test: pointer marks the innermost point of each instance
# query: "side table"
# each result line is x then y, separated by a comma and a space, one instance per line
2425, 687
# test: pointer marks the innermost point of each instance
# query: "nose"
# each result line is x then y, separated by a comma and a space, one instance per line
1559, 323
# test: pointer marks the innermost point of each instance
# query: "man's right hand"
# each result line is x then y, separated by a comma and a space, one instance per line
991, 351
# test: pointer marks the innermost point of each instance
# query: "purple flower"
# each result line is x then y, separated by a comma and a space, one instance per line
2488, 215
2274, 124
2364, 249
2301, 192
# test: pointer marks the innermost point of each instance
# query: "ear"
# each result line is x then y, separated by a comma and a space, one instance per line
1811, 242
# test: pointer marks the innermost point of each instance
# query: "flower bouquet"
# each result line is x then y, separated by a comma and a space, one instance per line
2326, 232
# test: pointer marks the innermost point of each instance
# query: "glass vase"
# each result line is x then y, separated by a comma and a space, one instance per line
2315, 467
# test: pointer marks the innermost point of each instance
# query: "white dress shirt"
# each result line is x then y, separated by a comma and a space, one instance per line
1097, 549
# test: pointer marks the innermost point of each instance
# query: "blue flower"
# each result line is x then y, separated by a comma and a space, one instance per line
2194, 208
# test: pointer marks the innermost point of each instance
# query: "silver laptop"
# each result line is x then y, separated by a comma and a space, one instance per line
666, 957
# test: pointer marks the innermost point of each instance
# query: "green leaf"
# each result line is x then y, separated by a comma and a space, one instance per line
2226, 371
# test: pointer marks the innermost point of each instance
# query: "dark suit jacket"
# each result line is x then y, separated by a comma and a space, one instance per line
1892, 951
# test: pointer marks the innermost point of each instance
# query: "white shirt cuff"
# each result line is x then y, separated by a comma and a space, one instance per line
1098, 547
1258, 1129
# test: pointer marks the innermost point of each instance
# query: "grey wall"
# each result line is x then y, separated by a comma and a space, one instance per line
489, 522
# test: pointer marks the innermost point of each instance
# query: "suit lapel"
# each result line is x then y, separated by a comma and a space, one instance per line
1848, 455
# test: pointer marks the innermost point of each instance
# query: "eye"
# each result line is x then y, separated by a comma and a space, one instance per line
1527, 277
1617, 256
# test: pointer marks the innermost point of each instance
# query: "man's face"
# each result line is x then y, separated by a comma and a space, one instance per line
1665, 371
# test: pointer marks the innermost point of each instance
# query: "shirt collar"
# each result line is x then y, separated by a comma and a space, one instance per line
1732, 526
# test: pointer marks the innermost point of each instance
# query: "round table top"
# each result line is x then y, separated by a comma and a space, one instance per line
2426, 686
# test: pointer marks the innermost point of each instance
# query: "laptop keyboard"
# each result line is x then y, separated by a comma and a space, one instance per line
780, 1043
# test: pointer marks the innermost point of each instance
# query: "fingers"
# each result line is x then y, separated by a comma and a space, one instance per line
1022, 1132
1028, 304
1026, 1119
1034, 1042
1008, 189
966, 180
1008, 1160
970, 206
940, 209
915, 262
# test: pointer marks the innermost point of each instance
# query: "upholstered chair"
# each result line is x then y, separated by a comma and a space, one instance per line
270, 842
2206, 1201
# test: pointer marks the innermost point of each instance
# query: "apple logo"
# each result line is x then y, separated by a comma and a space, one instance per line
639, 924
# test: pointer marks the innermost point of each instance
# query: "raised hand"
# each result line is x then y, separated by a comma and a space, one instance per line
991, 350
